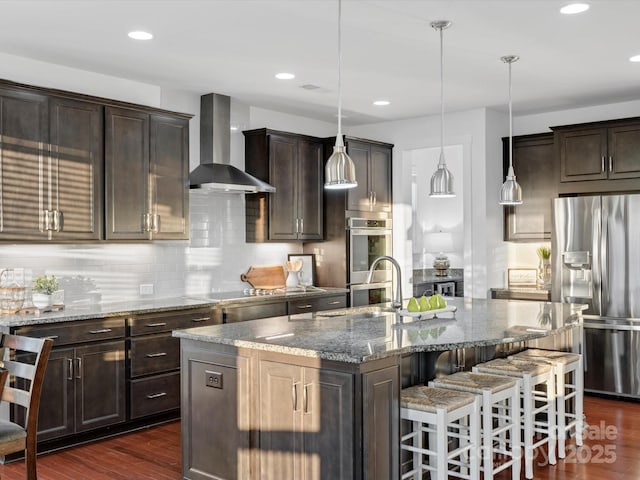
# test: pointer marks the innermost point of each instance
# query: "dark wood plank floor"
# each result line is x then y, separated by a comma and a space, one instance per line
611, 450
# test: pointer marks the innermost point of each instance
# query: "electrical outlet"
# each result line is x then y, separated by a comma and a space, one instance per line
213, 379
146, 289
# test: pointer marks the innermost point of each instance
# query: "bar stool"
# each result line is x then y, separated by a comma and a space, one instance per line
443, 414
534, 401
500, 416
572, 389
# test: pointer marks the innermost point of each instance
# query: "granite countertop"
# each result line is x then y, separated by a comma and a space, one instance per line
154, 305
364, 334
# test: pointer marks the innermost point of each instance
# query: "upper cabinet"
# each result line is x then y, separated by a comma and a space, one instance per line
599, 157
293, 164
372, 161
146, 158
51, 166
535, 166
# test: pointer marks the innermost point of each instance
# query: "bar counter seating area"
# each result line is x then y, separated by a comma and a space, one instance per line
480, 390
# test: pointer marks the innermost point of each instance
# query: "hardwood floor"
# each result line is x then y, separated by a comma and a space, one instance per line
609, 451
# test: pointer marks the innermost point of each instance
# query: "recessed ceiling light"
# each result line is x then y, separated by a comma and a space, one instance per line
140, 35
285, 76
635, 58
381, 103
574, 8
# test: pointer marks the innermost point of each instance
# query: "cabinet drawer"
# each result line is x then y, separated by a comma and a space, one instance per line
154, 354
317, 304
155, 395
77, 332
167, 321
251, 312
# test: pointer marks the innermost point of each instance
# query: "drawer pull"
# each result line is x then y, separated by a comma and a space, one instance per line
151, 396
335, 302
153, 325
203, 319
52, 337
69, 368
101, 330
308, 305
155, 355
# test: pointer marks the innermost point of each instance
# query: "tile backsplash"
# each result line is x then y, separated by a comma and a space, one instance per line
212, 260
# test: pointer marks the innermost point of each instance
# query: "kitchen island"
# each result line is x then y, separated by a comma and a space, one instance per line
317, 395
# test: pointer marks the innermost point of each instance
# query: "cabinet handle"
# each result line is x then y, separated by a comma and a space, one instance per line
155, 223
610, 163
305, 399
52, 337
294, 396
101, 330
46, 220
375, 198
308, 305
57, 220
602, 165
69, 368
335, 302
302, 225
145, 222
297, 225
155, 355
202, 319
151, 396
79, 368
158, 324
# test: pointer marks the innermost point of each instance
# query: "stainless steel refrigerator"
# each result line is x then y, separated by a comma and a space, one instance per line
596, 260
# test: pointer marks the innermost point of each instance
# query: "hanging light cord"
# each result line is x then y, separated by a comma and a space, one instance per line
510, 127
340, 71
441, 162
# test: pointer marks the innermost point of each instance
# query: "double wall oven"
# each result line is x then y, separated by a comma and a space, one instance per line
368, 239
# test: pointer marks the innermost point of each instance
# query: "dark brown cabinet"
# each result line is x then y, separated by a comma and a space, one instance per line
293, 164
372, 161
306, 429
595, 154
84, 384
146, 164
317, 304
23, 160
534, 162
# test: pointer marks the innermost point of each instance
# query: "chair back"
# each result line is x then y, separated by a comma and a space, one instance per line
26, 378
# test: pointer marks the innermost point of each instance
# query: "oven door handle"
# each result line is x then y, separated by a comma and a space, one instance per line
370, 286
370, 231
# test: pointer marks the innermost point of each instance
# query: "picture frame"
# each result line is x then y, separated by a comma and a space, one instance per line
522, 277
308, 267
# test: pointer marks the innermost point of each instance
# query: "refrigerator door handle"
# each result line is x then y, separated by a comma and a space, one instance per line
605, 297
596, 258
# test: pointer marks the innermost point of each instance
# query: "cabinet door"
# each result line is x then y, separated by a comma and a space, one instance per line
309, 189
169, 164
280, 420
327, 407
359, 198
283, 168
127, 174
24, 179
381, 178
77, 167
583, 154
100, 385
535, 166
55, 415
624, 152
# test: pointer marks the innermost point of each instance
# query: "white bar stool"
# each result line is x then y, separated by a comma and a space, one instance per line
500, 417
572, 389
443, 414
534, 401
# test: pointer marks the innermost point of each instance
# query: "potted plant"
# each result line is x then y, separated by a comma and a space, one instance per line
42, 290
544, 267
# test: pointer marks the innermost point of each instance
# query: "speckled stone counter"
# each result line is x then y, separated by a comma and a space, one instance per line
366, 334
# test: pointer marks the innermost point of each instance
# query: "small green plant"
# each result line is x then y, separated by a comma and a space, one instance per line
544, 252
45, 285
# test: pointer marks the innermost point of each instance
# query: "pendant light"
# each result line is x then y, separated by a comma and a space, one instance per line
510, 193
442, 179
339, 172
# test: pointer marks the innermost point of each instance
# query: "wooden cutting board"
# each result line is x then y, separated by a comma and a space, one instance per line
265, 276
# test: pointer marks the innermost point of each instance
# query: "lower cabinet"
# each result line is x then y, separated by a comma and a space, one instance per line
306, 422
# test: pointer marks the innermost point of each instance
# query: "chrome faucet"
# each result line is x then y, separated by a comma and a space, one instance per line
397, 302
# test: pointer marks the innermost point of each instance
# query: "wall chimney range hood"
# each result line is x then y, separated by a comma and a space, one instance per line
215, 173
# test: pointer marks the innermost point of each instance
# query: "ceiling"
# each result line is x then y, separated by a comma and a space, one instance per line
390, 52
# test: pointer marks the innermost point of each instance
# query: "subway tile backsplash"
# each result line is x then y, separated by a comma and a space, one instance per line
212, 260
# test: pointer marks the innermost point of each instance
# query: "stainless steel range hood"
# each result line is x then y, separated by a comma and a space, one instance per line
215, 173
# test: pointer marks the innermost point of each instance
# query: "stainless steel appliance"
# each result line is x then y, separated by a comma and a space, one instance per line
368, 240
596, 260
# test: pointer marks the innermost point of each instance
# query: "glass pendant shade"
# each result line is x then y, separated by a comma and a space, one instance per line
510, 192
339, 172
